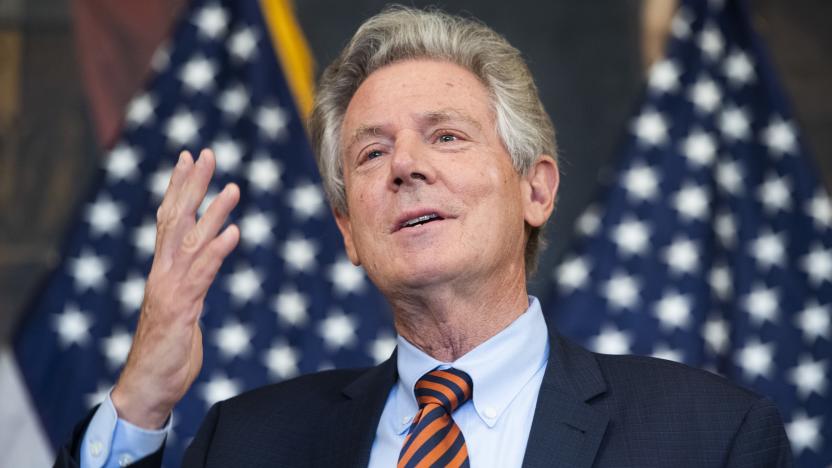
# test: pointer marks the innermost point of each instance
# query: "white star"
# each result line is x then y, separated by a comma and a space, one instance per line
673, 311
161, 57
680, 25
104, 216
572, 274
716, 333
612, 341
720, 281
299, 254
144, 238
692, 202
338, 330
72, 326
774, 193
264, 174
805, 433
116, 347
820, 209
211, 20
182, 128
762, 304
272, 121
729, 177
814, 322
650, 127
346, 277
734, 123
755, 359
589, 221
700, 148
88, 270
243, 44
97, 396
622, 291
282, 361
228, 155
664, 76
738, 68
705, 95
768, 249
780, 137
663, 351
682, 256
233, 339
122, 163
382, 347
256, 229
307, 200
809, 377
234, 100
711, 42
726, 228
159, 180
198, 74
818, 264
244, 285
291, 307
131, 292
219, 388
140, 110
641, 182
631, 236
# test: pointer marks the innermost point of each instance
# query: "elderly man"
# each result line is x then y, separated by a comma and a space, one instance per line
439, 163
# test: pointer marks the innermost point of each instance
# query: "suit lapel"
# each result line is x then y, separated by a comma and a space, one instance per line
566, 430
352, 421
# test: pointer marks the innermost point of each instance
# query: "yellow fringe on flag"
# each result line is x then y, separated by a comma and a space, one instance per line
292, 52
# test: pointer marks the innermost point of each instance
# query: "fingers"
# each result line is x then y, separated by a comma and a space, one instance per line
213, 219
206, 265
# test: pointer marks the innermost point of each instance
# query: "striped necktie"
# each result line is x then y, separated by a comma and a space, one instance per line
434, 439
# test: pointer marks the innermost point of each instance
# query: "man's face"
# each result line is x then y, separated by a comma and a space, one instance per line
431, 191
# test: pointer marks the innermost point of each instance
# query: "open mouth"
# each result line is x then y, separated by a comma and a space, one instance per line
420, 220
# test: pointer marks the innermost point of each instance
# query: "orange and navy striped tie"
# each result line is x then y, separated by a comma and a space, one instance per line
434, 439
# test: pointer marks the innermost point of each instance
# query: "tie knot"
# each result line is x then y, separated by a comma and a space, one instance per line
448, 388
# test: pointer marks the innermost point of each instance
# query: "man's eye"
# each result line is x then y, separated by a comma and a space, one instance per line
447, 138
373, 154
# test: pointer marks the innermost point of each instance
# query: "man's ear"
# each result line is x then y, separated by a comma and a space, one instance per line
345, 226
540, 189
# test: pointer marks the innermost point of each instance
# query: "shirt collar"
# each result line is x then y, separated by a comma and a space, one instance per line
500, 367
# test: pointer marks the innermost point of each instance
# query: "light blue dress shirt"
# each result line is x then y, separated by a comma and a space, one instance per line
507, 371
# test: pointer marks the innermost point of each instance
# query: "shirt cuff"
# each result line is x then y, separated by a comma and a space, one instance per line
110, 441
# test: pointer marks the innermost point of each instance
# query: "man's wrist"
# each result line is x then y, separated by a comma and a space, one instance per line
136, 412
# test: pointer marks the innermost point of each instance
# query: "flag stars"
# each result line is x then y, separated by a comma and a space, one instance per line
716, 333
346, 277
818, 264
244, 285
219, 388
682, 256
820, 209
233, 101
622, 291
243, 44
650, 127
631, 236
705, 95
699, 148
780, 137
641, 182
104, 216
809, 376
589, 222
198, 74
768, 249
734, 123
662, 351
774, 193
738, 68
116, 347
814, 322
720, 281
307, 201
664, 76
233, 339
762, 305
256, 229
88, 270
211, 21
612, 341
729, 177
140, 111
228, 155
72, 326
338, 330
673, 311
711, 42
122, 163
755, 359
272, 121
282, 361
264, 174
299, 254
692, 202
182, 128
144, 238
572, 274
158, 182
726, 228
291, 307
131, 293
382, 347
805, 433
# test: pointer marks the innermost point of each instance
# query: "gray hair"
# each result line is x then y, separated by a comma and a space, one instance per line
400, 33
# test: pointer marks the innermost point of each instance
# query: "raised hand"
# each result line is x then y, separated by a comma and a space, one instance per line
166, 355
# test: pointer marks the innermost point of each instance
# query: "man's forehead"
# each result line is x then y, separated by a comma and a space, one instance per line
425, 119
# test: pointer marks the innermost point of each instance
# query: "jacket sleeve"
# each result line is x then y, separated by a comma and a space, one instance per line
196, 455
761, 440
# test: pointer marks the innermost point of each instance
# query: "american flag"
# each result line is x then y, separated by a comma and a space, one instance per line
712, 244
286, 302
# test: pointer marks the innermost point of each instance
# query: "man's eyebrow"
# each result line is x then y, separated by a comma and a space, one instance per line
448, 115
365, 131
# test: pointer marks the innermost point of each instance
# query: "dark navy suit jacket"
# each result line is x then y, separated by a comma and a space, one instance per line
593, 410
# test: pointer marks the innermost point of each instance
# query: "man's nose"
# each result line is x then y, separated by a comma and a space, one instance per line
411, 162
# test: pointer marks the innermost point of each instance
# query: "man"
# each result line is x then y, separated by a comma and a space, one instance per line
438, 160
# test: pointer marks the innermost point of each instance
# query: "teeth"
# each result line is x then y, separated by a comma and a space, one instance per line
420, 219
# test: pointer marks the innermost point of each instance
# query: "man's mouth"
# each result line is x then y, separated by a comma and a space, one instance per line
424, 219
